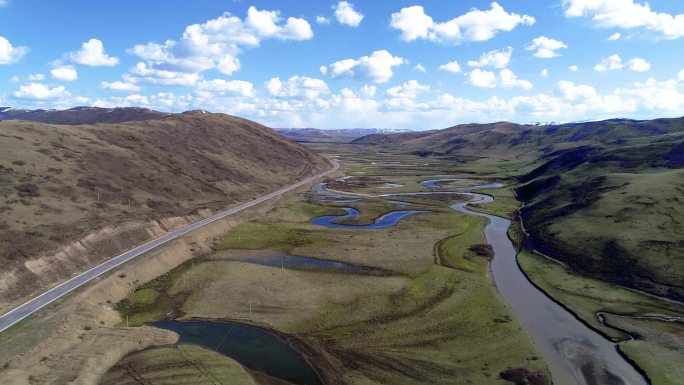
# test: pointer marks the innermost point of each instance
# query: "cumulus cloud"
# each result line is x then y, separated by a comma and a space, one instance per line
475, 25
628, 15
36, 77
545, 47
10, 54
162, 101
614, 37
120, 86
39, 91
216, 44
482, 79
345, 14
419, 67
64, 73
638, 64
509, 80
495, 58
614, 63
409, 90
376, 68
544, 72
369, 90
611, 63
488, 79
92, 53
143, 73
322, 20
451, 66
226, 87
573, 68
299, 87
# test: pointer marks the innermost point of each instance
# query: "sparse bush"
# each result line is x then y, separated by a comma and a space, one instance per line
483, 250
27, 190
523, 376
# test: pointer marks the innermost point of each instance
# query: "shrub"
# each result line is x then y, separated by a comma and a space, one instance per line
27, 190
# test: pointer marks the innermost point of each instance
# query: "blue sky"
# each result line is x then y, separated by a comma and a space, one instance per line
335, 64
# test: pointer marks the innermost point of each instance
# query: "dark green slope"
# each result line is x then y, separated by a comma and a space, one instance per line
607, 197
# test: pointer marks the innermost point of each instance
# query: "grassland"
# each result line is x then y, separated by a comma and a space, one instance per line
421, 322
182, 364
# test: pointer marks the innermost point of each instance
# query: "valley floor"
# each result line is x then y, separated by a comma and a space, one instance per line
412, 303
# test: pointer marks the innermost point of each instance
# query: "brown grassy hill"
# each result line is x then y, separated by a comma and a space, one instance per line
61, 183
82, 115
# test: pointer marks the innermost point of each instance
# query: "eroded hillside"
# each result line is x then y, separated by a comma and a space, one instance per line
106, 187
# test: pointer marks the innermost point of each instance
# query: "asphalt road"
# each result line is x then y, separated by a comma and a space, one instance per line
17, 314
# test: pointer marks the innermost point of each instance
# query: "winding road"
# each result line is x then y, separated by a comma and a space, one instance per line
20, 312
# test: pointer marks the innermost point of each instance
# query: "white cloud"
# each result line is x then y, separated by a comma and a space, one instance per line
451, 66
419, 67
510, 80
36, 77
376, 68
409, 90
545, 47
142, 73
345, 14
653, 95
161, 101
638, 64
482, 79
573, 68
495, 58
614, 63
369, 90
14, 79
680, 76
627, 14
544, 72
266, 25
322, 20
323, 70
92, 53
475, 25
614, 37
64, 73
120, 86
611, 63
227, 87
302, 87
10, 54
488, 79
216, 44
39, 91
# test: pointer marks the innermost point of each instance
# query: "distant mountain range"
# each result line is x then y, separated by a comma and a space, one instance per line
344, 135
81, 115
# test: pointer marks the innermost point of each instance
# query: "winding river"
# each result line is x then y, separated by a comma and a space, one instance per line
574, 353
388, 220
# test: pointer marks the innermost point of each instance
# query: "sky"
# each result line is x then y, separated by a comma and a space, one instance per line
340, 64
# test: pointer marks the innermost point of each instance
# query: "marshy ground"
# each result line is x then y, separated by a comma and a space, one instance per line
425, 319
